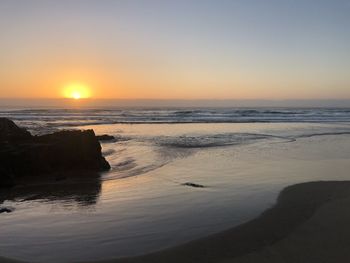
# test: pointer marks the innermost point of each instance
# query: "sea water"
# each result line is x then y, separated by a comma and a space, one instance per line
177, 175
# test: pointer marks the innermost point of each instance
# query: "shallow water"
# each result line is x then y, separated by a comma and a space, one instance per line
142, 204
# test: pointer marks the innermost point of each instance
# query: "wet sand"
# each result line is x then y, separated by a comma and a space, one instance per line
6, 260
309, 223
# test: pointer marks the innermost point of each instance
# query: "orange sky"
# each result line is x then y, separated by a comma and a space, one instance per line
215, 51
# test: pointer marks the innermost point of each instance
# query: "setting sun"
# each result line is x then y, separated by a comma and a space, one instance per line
76, 91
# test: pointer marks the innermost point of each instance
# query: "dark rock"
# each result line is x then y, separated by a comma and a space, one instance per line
6, 178
105, 137
6, 209
59, 151
60, 177
71, 150
9, 131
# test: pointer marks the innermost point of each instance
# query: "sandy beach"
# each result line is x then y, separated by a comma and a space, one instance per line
174, 131
309, 223
7, 260
147, 202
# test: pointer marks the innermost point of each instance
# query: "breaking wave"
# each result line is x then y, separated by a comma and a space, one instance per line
54, 118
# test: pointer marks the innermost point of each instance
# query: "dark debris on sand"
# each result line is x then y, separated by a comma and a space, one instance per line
193, 185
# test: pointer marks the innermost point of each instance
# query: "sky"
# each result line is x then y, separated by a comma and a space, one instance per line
148, 49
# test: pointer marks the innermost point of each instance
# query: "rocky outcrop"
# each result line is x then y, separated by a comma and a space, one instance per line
105, 137
6, 209
9, 131
22, 154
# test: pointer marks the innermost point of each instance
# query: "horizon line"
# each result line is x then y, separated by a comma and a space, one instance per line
171, 103
176, 99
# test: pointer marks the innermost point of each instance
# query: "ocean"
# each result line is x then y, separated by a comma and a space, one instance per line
240, 157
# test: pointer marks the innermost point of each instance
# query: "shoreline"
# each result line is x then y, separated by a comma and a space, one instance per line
296, 205
301, 211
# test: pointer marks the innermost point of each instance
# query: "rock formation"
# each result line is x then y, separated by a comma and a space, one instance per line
23, 155
9, 131
105, 137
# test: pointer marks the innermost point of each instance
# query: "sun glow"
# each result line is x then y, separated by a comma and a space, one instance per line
76, 91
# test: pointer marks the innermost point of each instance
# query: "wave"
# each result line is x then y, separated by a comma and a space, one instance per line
321, 134
229, 139
157, 151
84, 117
127, 164
210, 140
